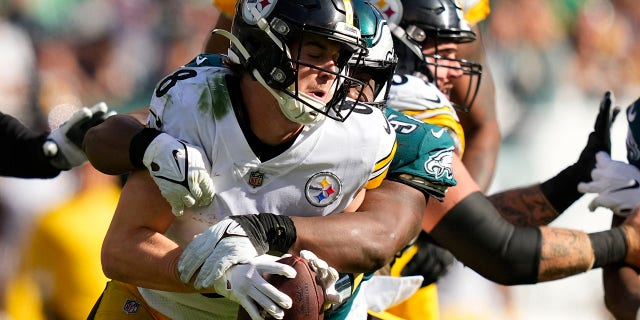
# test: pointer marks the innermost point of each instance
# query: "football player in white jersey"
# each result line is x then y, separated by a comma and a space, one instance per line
282, 117
485, 248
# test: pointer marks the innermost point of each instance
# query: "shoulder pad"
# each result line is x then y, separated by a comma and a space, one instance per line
424, 156
206, 60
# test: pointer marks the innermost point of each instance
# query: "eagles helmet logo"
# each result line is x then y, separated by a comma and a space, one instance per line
391, 9
440, 164
322, 189
263, 7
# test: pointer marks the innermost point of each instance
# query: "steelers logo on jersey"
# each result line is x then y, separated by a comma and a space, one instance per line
323, 188
440, 163
391, 9
262, 7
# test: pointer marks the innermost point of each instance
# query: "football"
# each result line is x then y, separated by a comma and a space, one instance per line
307, 295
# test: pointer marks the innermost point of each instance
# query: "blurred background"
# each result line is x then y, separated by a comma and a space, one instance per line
552, 61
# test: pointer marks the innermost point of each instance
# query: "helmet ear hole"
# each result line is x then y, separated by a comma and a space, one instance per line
267, 58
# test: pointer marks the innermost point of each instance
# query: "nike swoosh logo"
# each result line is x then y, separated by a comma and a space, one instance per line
635, 185
438, 133
200, 60
437, 99
233, 231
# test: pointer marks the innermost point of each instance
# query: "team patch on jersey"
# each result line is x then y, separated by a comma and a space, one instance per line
131, 306
439, 164
322, 189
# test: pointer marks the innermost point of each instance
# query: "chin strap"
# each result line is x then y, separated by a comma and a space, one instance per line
291, 107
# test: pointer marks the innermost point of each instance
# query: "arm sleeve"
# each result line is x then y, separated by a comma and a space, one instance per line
22, 151
479, 237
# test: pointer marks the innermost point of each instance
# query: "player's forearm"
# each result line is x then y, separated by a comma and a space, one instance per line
367, 239
107, 145
526, 206
479, 237
135, 249
143, 258
481, 154
564, 253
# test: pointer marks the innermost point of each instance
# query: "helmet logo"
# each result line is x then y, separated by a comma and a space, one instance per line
391, 9
262, 7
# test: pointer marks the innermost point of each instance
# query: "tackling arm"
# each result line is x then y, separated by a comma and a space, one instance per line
367, 239
116, 133
540, 204
469, 226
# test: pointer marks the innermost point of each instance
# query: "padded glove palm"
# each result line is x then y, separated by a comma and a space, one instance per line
180, 171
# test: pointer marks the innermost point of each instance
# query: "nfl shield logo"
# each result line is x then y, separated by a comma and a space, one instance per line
130, 306
256, 178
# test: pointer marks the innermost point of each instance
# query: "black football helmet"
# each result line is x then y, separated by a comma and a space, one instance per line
414, 22
264, 31
379, 63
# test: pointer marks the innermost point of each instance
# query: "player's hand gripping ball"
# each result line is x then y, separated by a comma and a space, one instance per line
306, 293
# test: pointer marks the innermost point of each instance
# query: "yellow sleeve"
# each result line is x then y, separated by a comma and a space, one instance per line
227, 7
445, 119
476, 11
421, 305
381, 168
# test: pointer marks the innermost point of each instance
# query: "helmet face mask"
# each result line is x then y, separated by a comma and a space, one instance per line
268, 33
470, 70
417, 23
379, 63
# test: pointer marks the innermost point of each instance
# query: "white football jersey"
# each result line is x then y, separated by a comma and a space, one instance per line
319, 174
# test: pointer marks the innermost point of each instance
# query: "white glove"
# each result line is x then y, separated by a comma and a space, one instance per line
244, 284
64, 144
616, 183
409, 92
181, 172
214, 251
326, 276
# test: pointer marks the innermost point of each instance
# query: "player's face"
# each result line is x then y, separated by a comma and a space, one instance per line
323, 54
448, 69
368, 92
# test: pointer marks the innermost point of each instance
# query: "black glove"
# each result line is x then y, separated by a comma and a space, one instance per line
562, 190
600, 138
431, 261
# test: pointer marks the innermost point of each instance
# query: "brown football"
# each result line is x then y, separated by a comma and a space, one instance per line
307, 295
